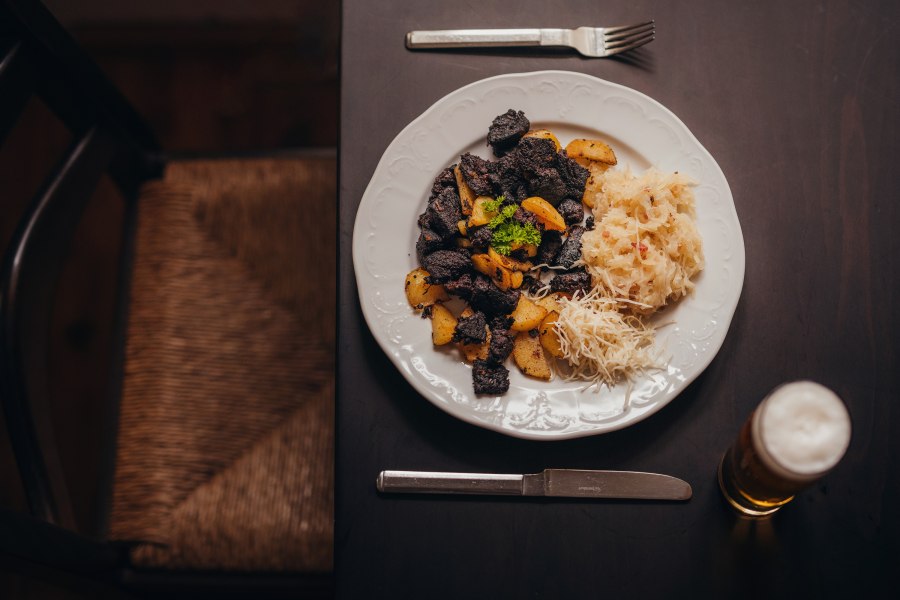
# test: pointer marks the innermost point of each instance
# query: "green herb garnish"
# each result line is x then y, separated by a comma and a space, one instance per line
507, 234
493, 205
503, 216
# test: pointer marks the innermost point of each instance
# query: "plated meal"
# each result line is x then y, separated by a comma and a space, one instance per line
523, 256
563, 292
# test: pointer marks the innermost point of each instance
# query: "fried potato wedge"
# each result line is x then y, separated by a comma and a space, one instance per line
508, 262
443, 325
527, 315
528, 354
548, 335
501, 276
550, 301
466, 195
479, 215
545, 213
591, 151
420, 293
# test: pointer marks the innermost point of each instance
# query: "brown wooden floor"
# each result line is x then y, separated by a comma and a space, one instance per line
206, 88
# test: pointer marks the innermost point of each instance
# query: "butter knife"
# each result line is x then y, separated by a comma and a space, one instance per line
561, 483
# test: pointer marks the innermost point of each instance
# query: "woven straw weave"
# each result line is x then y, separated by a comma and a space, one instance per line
225, 448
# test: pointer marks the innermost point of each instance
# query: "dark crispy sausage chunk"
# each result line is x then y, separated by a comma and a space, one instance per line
490, 299
551, 242
501, 340
573, 175
446, 265
571, 248
477, 173
571, 212
471, 330
574, 281
506, 130
427, 243
489, 378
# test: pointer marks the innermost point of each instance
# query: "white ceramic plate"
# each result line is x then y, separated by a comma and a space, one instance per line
643, 133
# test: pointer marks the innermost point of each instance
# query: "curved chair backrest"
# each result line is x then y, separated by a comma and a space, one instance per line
40, 59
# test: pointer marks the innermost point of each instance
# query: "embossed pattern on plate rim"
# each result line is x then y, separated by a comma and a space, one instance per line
537, 410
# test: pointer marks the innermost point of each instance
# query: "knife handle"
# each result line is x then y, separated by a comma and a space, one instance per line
424, 482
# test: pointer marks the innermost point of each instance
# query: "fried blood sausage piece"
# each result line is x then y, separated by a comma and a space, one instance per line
446, 265
477, 172
428, 242
481, 238
571, 282
490, 299
445, 179
506, 130
463, 287
551, 242
571, 212
489, 378
508, 180
443, 214
501, 340
471, 330
525, 217
573, 175
571, 248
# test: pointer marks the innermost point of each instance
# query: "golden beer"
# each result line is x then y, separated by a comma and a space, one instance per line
794, 437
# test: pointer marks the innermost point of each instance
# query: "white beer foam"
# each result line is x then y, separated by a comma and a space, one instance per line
802, 430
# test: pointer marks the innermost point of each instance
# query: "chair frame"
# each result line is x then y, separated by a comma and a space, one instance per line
39, 58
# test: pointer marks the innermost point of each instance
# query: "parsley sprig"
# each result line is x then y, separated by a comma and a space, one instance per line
507, 234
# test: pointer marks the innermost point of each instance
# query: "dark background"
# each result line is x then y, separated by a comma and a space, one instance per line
797, 102
212, 78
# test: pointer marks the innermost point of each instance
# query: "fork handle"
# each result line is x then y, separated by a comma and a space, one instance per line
473, 38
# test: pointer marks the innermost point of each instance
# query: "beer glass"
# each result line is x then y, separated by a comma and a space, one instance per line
796, 435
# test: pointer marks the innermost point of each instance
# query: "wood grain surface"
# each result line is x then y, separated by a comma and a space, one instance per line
797, 101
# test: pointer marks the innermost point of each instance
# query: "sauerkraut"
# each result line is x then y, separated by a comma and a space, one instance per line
645, 247
601, 344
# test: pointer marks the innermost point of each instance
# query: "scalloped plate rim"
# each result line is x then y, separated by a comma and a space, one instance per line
463, 412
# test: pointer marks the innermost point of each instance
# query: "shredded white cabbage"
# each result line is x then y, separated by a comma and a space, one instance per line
645, 246
601, 344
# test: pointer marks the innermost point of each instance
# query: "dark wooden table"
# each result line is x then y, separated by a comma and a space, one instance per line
797, 101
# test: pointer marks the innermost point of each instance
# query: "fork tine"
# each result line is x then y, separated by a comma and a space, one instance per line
623, 28
616, 49
630, 32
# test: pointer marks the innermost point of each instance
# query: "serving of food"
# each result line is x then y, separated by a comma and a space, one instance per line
548, 255
560, 291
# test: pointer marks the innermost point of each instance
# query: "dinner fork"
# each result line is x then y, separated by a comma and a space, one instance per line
595, 42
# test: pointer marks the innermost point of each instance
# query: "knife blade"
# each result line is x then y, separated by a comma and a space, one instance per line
560, 483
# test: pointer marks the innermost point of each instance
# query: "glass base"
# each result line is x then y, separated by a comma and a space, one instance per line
741, 505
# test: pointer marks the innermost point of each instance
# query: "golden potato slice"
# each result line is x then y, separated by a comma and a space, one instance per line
545, 134
443, 325
591, 150
528, 354
479, 215
419, 293
530, 249
527, 315
516, 278
545, 213
549, 337
550, 301
501, 276
508, 263
466, 195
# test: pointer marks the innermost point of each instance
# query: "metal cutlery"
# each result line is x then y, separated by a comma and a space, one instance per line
595, 42
564, 483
